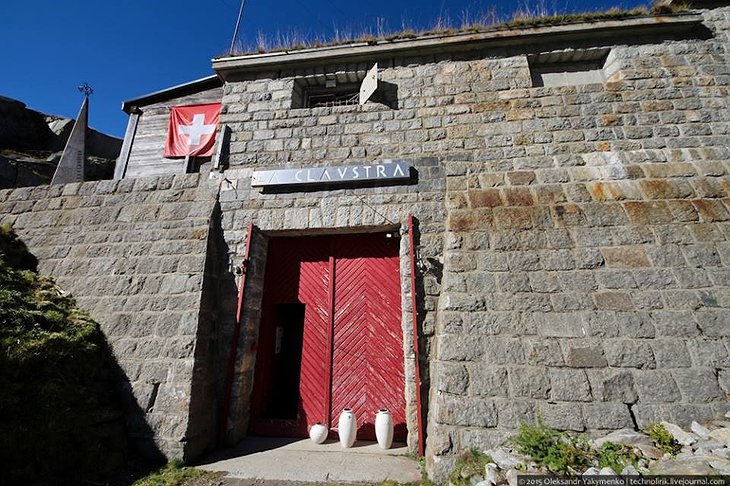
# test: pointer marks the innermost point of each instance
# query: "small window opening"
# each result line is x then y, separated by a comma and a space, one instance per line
344, 95
343, 88
568, 68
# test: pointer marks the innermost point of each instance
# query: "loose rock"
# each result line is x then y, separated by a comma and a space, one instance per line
680, 435
721, 435
626, 437
629, 471
701, 431
504, 459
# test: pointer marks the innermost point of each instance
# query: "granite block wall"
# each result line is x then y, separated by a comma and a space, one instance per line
573, 255
134, 253
581, 269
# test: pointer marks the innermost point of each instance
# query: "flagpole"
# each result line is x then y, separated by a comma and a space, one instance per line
238, 23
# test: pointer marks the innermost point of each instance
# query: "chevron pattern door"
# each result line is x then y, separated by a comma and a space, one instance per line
367, 368
296, 274
346, 291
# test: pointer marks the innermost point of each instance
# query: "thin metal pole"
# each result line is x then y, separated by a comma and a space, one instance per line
238, 23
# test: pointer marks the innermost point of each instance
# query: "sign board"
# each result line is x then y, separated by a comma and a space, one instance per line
387, 171
369, 84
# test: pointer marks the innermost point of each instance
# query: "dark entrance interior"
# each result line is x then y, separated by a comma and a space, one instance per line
283, 401
330, 335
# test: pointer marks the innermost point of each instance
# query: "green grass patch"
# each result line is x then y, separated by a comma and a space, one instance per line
471, 463
663, 439
60, 417
617, 456
176, 474
559, 452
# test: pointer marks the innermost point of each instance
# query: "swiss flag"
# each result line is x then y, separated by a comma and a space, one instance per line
192, 130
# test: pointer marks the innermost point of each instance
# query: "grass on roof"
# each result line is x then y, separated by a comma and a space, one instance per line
524, 18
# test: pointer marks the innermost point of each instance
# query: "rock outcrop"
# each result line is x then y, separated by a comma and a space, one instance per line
31, 144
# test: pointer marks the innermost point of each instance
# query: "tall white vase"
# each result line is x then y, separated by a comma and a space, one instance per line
347, 428
384, 428
318, 433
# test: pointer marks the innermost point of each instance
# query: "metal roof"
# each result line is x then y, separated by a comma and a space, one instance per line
184, 89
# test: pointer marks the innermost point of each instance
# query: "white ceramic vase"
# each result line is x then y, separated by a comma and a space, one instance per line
384, 428
318, 433
347, 428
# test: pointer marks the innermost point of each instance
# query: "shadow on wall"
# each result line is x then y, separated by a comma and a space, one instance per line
431, 267
62, 415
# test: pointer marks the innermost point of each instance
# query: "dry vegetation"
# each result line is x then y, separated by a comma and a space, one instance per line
526, 16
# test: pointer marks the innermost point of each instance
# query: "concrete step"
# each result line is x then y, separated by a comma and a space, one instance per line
300, 462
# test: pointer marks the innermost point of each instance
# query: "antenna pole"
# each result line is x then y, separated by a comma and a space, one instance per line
238, 23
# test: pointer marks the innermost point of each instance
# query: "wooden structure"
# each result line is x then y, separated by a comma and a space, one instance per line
144, 139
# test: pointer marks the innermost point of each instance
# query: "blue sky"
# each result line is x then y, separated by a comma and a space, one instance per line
128, 48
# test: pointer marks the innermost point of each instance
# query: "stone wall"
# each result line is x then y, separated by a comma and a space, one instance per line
586, 265
325, 212
133, 253
573, 255
585, 255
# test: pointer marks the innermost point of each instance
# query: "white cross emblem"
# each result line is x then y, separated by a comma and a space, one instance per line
196, 130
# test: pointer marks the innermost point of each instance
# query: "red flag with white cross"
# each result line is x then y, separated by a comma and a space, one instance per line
192, 130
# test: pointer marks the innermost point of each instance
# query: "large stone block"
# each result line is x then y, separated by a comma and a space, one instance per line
563, 416
629, 354
470, 412
585, 357
698, 385
656, 387
569, 385
611, 416
561, 325
529, 382
543, 352
451, 378
714, 322
670, 353
488, 381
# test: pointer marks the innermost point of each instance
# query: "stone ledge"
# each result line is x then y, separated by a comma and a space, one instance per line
364, 51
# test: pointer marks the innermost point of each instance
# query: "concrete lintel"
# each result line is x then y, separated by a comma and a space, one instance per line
363, 51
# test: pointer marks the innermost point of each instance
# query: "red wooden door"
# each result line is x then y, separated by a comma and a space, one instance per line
367, 369
296, 274
347, 288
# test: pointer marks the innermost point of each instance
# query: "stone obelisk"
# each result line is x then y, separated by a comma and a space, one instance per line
73, 160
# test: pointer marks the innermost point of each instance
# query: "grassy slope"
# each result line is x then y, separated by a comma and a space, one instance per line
57, 407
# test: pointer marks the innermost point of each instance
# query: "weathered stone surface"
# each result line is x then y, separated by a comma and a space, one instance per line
565, 416
624, 436
629, 354
467, 412
585, 357
698, 385
721, 435
122, 259
684, 438
453, 378
656, 387
489, 382
531, 382
701, 431
602, 416
569, 385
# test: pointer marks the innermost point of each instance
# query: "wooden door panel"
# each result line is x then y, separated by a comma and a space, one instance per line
368, 352
366, 360
296, 273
